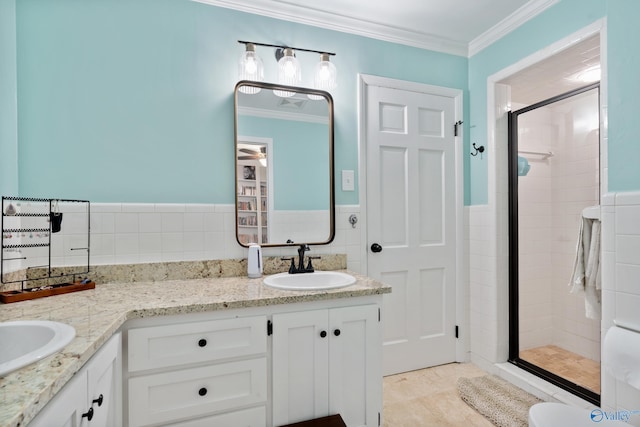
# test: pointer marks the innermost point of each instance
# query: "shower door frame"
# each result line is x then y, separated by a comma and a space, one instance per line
514, 319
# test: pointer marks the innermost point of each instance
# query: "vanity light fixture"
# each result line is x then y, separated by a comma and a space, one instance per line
250, 68
289, 70
325, 77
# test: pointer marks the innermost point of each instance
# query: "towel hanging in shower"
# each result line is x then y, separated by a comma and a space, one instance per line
586, 270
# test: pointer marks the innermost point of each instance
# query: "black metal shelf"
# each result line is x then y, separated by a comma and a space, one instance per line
26, 214
25, 230
34, 207
25, 245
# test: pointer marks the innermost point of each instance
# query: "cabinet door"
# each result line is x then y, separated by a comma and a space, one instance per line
104, 385
355, 374
300, 366
66, 408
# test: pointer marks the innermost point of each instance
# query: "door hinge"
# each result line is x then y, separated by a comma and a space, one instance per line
455, 127
379, 419
269, 327
456, 331
379, 314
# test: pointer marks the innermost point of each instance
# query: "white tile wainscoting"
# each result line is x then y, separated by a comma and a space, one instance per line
620, 285
126, 233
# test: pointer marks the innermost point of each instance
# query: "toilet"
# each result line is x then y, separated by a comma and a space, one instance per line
551, 414
621, 358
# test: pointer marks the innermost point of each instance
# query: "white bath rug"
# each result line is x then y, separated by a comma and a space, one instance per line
499, 401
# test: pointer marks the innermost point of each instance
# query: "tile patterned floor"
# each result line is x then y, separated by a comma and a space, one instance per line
429, 397
575, 368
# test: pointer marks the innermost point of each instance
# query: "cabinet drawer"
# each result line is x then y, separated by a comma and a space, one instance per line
195, 392
252, 417
179, 344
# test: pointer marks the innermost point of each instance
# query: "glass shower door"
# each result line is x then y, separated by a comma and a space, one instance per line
554, 175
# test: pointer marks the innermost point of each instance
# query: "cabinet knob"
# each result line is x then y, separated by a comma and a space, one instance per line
336, 332
99, 401
323, 334
88, 415
202, 342
202, 391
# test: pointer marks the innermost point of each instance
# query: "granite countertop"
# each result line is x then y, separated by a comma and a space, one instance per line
98, 313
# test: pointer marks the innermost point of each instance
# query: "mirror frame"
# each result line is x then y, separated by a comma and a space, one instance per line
332, 204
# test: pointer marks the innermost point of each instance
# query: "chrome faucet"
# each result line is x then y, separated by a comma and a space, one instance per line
293, 269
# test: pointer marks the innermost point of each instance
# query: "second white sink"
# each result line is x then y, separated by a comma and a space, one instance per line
316, 281
27, 341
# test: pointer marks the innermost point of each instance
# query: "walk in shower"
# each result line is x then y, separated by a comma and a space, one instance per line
554, 176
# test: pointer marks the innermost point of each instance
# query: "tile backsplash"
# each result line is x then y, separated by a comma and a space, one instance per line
131, 233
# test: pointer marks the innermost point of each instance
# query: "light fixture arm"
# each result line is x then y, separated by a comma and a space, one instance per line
285, 47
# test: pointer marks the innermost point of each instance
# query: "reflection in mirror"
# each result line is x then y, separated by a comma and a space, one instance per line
284, 165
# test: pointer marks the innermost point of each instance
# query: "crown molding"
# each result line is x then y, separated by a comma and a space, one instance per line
510, 23
318, 18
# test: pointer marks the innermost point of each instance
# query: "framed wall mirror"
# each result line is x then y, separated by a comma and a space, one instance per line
284, 165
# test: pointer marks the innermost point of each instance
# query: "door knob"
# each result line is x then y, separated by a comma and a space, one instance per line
376, 248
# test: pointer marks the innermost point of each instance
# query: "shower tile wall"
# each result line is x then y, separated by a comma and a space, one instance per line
551, 199
537, 133
575, 173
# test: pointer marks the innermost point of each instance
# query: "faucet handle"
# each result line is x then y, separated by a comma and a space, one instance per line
309, 266
292, 266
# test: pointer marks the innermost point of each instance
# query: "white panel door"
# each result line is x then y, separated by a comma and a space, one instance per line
411, 209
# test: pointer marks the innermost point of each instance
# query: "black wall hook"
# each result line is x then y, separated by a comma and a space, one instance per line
479, 149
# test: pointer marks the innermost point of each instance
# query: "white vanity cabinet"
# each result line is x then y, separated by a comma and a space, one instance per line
327, 362
92, 397
189, 374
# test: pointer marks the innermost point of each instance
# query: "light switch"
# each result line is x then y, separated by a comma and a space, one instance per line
348, 180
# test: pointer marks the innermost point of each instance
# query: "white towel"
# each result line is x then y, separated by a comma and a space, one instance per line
586, 270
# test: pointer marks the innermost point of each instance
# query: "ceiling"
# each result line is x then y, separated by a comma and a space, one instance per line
459, 27
555, 75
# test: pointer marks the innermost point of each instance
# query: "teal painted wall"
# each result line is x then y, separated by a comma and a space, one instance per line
623, 100
623, 37
298, 185
8, 104
132, 100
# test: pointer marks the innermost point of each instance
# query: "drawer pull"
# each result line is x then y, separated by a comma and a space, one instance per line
99, 401
88, 415
202, 391
202, 342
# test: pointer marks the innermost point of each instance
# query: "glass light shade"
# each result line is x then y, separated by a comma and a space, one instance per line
250, 68
325, 76
289, 72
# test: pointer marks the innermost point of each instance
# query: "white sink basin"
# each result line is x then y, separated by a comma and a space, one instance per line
316, 281
27, 341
